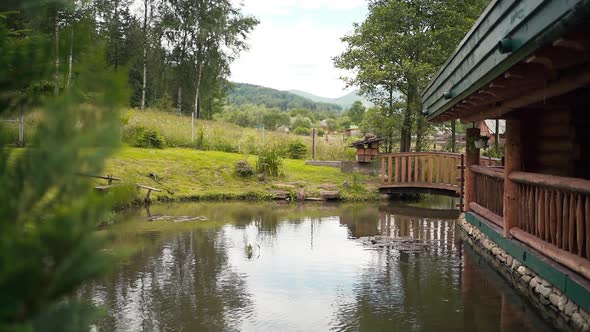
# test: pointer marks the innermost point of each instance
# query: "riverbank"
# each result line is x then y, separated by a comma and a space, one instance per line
193, 175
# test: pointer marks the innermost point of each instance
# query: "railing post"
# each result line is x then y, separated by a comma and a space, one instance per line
462, 184
471, 158
513, 155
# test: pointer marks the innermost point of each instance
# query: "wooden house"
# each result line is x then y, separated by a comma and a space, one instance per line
528, 63
352, 131
367, 149
488, 128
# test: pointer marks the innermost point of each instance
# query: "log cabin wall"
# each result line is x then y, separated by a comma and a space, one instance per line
556, 137
581, 120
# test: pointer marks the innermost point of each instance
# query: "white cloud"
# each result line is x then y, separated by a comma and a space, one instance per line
293, 46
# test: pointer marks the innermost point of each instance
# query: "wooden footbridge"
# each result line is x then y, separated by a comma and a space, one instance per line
423, 172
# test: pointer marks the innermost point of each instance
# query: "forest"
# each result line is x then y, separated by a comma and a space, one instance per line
172, 52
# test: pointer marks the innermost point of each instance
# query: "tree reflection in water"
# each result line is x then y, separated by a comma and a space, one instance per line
310, 272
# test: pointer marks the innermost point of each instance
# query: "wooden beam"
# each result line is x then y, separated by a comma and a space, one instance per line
573, 44
489, 215
552, 181
565, 84
559, 58
471, 158
489, 171
576, 263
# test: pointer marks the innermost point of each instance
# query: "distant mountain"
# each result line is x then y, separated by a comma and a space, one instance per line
242, 93
344, 101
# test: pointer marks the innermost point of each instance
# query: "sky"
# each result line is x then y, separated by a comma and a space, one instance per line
293, 46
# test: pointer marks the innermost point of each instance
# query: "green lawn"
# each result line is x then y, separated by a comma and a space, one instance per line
188, 174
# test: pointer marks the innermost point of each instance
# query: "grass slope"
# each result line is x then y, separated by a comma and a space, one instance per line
187, 174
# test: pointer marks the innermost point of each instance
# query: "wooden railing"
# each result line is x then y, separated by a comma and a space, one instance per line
422, 169
489, 161
488, 193
556, 210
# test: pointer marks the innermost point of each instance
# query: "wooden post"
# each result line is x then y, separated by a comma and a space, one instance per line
453, 136
497, 138
471, 158
513, 154
21, 129
313, 144
462, 184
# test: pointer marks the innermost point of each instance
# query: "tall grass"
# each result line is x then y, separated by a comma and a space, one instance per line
226, 137
208, 135
9, 130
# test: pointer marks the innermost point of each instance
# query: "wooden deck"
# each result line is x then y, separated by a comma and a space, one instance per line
417, 172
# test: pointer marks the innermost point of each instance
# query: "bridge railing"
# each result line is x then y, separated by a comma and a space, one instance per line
436, 170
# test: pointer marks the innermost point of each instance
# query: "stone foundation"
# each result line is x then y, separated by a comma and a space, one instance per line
553, 304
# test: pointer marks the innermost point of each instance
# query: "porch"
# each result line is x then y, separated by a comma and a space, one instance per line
552, 212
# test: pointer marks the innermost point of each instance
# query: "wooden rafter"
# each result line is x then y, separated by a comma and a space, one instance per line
566, 83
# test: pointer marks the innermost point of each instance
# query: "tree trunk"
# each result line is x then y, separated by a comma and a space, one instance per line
406, 134
56, 88
420, 127
200, 69
71, 56
117, 35
145, 42
179, 99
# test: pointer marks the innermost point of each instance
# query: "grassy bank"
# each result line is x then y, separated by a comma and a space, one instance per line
188, 174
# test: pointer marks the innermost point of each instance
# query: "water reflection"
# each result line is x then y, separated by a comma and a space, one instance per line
308, 272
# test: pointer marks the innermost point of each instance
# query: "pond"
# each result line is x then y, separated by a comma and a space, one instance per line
277, 267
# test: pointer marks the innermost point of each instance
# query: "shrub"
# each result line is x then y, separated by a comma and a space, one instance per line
302, 131
321, 132
164, 103
296, 150
149, 138
269, 163
243, 169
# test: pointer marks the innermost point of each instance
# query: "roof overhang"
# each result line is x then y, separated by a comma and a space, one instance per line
515, 47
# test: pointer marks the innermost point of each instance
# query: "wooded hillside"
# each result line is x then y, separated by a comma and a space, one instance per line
241, 94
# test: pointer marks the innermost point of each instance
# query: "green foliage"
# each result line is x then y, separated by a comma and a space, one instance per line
254, 116
303, 131
398, 48
149, 138
48, 214
301, 122
244, 169
381, 122
356, 112
296, 150
270, 162
356, 184
164, 103
491, 152
345, 122
321, 132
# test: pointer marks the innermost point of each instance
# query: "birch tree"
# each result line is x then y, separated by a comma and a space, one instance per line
147, 7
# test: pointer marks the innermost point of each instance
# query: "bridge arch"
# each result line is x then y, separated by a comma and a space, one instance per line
422, 172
